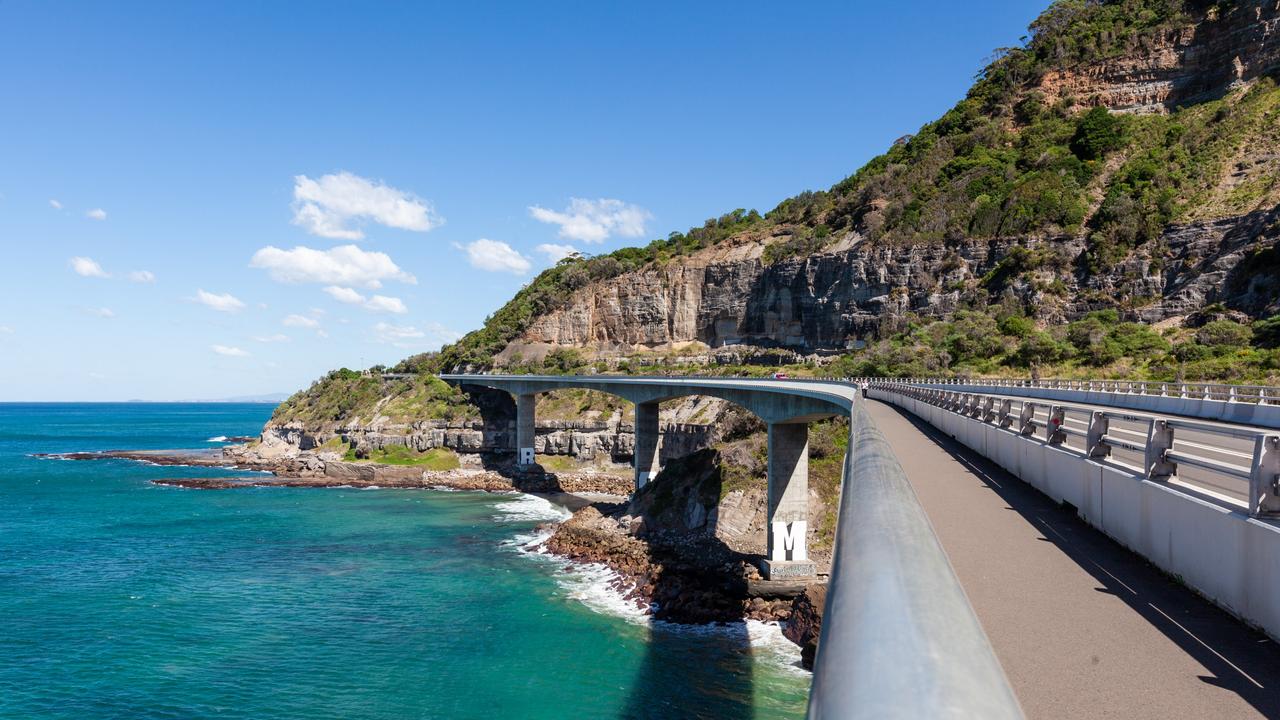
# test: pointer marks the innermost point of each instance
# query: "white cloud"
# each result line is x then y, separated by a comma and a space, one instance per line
346, 295
55, 204
382, 303
225, 302
343, 265
96, 214
301, 321
87, 267
377, 303
229, 351
408, 336
278, 337
328, 205
556, 253
594, 221
142, 276
101, 312
6, 330
495, 256
393, 333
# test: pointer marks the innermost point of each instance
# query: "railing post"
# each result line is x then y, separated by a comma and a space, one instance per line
988, 409
1231, 394
1027, 418
1159, 443
1004, 417
1054, 433
1264, 476
1095, 444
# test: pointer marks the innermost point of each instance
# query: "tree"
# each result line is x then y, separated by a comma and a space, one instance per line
1097, 133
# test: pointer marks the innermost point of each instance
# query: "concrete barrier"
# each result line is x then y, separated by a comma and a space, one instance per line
1228, 557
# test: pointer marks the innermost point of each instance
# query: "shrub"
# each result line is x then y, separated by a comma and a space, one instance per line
1224, 334
1137, 339
1040, 348
1266, 333
1017, 326
1098, 133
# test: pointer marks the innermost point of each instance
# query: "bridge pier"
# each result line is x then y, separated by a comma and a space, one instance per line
526, 404
788, 519
648, 433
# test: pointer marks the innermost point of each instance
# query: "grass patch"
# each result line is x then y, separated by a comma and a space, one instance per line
433, 459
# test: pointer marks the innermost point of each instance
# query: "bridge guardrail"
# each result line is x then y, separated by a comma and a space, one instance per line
1222, 392
899, 638
1162, 450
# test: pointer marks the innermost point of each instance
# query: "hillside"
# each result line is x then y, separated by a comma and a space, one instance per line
1104, 200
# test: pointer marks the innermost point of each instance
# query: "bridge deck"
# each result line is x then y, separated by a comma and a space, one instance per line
1083, 627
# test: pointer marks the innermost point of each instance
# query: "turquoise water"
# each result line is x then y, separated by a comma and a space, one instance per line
123, 599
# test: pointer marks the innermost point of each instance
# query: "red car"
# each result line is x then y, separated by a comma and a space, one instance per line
779, 376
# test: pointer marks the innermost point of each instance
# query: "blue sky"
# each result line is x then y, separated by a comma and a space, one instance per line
161, 163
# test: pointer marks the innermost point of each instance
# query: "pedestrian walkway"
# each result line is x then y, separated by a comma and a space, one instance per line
1083, 627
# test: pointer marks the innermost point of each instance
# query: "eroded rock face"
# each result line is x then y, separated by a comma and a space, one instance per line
805, 623
1179, 66
824, 301
684, 579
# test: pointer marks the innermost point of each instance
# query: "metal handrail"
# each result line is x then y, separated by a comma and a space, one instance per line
1223, 392
899, 639
1162, 450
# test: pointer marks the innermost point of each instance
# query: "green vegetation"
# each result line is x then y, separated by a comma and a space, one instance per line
579, 404
828, 441
344, 394
334, 397
1098, 345
433, 459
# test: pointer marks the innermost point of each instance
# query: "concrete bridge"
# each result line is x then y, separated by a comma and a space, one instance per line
786, 407
1186, 477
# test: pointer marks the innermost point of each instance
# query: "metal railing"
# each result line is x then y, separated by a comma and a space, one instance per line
899, 639
1194, 391
1162, 447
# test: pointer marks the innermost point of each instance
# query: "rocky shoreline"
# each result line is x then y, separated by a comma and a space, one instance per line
687, 578
679, 576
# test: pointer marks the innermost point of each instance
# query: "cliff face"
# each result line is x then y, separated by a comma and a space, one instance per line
1180, 65
828, 300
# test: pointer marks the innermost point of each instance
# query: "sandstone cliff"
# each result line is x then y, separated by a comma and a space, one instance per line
829, 300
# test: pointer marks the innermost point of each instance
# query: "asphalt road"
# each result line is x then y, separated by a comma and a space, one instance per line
1083, 627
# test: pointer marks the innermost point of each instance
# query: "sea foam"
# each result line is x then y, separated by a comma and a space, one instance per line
602, 590
530, 508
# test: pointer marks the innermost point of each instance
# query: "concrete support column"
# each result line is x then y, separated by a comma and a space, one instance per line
647, 436
788, 502
525, 419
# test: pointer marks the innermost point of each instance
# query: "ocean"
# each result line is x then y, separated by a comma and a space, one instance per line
124, 599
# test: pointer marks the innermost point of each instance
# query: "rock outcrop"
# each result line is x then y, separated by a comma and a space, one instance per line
1180, 65
831, 300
